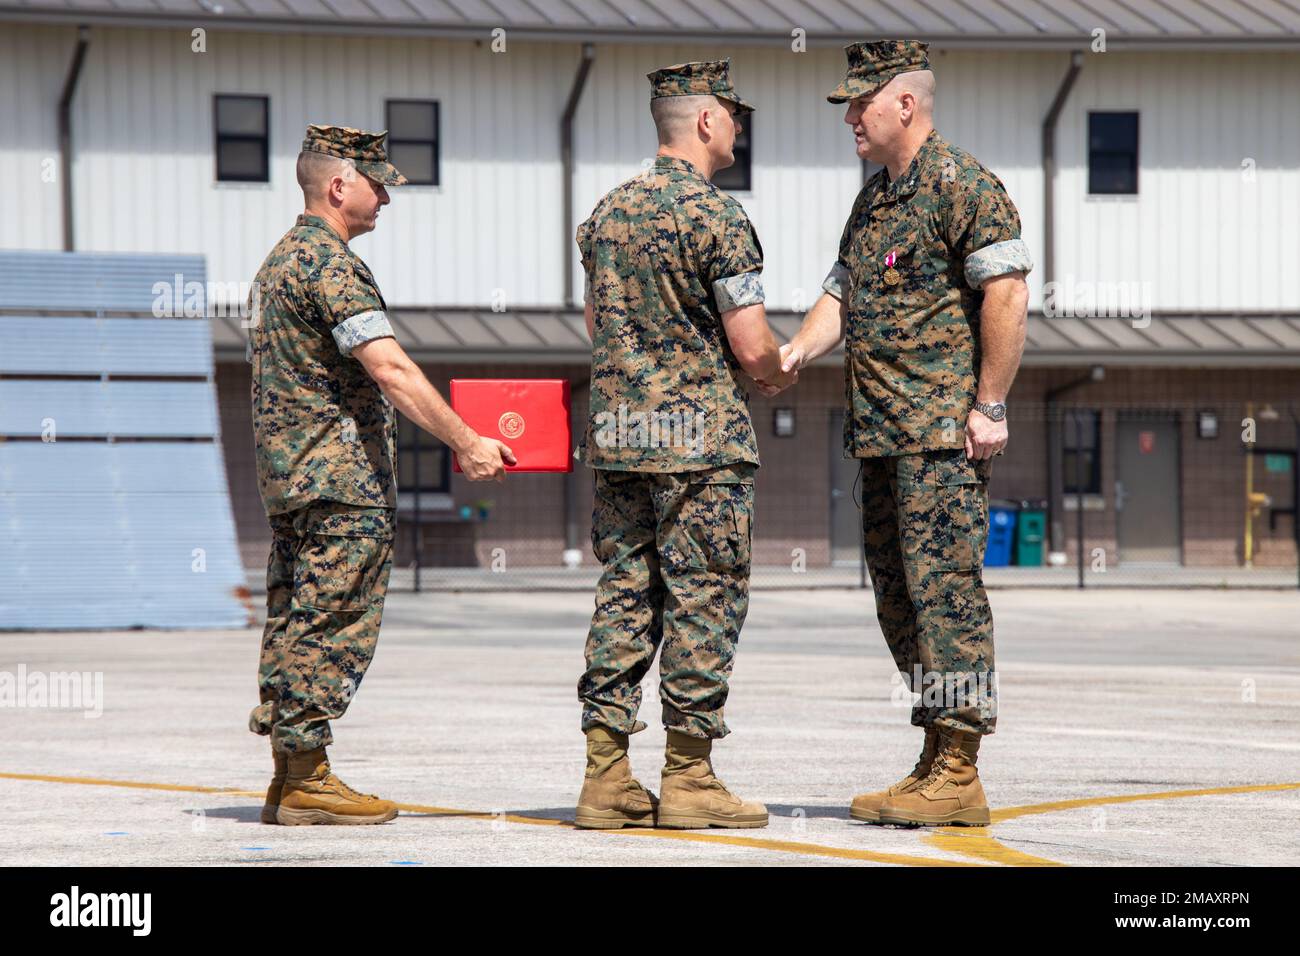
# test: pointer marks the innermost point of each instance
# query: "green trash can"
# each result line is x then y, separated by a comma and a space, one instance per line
1031, 529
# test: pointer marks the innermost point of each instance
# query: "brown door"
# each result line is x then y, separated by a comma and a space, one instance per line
1148, 503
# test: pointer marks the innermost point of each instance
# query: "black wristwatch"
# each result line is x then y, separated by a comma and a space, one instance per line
994, 411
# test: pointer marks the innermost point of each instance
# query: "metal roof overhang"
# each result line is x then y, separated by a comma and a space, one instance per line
527, 336
1032, 24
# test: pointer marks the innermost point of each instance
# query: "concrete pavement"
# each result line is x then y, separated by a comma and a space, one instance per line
1136, 728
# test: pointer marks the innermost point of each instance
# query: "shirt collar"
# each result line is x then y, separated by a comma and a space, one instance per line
906, 184
681, 165
316, 222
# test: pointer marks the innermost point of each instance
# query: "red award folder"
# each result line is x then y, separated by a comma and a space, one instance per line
531, 415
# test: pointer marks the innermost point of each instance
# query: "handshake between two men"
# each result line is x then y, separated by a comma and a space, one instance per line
823, 329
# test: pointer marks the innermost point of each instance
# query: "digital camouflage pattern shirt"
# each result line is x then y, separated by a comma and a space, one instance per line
322, 428
667, 253
912, 257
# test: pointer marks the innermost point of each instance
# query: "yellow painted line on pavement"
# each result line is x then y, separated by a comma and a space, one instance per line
693, 836
1011, 813
133, 784
780, 846
788, 846
480, 815
977, 843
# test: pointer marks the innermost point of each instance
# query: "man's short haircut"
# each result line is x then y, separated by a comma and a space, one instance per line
920, 83
315, 170
675, 116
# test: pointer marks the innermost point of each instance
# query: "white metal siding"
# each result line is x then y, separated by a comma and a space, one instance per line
805, 173
1198, 233
33, 61
144, 171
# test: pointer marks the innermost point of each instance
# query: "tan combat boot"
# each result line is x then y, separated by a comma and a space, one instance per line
313, 794
692, 798
611, 798
950, 794
272, 803
866, 806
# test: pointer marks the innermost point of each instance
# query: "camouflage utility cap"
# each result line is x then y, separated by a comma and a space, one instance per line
707, 78
366, 150
873, 64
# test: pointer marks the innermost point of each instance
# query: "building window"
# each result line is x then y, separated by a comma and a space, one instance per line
1113, 154
736, 177
1081, 458
421, 455
243, 143
413, 140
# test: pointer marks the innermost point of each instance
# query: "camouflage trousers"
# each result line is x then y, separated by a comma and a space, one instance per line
925, 526
676, 551
325, 585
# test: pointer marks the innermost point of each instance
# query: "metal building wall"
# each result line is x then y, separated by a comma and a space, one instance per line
1200, 234
1203, 234
145, 174
114, 506
32, 63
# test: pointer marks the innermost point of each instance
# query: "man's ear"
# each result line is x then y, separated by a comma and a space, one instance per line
704, 122
335, 190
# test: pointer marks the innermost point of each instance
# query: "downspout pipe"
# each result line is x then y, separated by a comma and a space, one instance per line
566, 161
572, 552
1049, 165
1056, 532
65, 132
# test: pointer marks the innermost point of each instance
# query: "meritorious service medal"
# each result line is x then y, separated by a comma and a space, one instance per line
892, 275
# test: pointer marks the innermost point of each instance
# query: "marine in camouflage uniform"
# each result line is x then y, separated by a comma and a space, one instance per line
912, 258
669, 437
324, 436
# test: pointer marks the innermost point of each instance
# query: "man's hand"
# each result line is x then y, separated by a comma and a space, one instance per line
984, 437
405, 386
485, 458
789, 374
793, 357
776, 384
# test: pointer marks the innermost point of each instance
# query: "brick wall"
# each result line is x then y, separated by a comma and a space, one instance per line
1212, 471
793, 508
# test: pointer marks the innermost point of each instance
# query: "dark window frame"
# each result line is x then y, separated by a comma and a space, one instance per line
219, 138
743, 167
1136, 154
436, 142
1069, 453
413, 440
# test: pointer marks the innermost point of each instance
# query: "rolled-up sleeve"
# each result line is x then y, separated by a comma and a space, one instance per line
733, 292
585, 240
837, 281
360, 329
999, 259
735, 260
984, 228
350, 303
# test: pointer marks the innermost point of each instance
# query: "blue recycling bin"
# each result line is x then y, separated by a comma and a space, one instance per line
1002, 537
